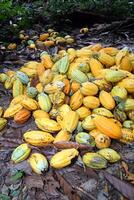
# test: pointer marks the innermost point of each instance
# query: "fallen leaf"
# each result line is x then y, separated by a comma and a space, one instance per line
34, 181
129, 175
124, 188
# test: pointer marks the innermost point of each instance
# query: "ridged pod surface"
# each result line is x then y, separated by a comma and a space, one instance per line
38, 138
91, 102
12, 110
89, 89
108, 127
76, 100
106, 100
63, 158
47, 125
44, 102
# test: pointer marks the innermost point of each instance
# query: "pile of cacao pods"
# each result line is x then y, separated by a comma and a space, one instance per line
47, 39
83, 95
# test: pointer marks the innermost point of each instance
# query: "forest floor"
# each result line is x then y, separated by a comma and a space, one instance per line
18, 182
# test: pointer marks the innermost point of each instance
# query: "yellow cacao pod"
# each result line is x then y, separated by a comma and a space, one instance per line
128, 84
78, 76
112, 51
1, 111
102, 111
47, 125
109, 154
44, 102
108, 127
88, 123
17, 88
94, 160
63, 135
57, 98
9, 83
17, 100
127, 135
103, 84
64, 109
20, 153
95, 66
22, 116
38, 138
31, 65
76, 100
29, 103
91, 102
38, 163
125, 64
95, 132
39, 87
12, 110
118, 91
3, 77
83, 112
106, 100
70, 121
63, 158
46, 61
30, 72
89, 89
114, 75
46, 77
3, 123
102, 141
40, 114
106, 59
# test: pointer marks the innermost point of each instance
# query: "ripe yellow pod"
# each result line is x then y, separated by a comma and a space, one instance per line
106, 59
46, 77
95, 66
3, 77
9, 82
20, 153
125, 64
31, 65
102, 111
17, 88
109, 154
43, 36
17, 100
48, 125
70, 121
46, 61
29, 71
89, 89
76, 100
64, 109
118, 91
29, 103
91, 102
95, 132
127, 135
103, 84
22, 116
63, 158
63, 135
128, 84
38, 163
112, 51
38, 138
102, 141
108, 127
40, 114
84, 53
12, 110
3, 123
39, 87
106, 100
57, 98
40, 69
83, 112
1, 111
88, 123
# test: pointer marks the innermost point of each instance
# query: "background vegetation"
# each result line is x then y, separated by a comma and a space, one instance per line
16, 14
